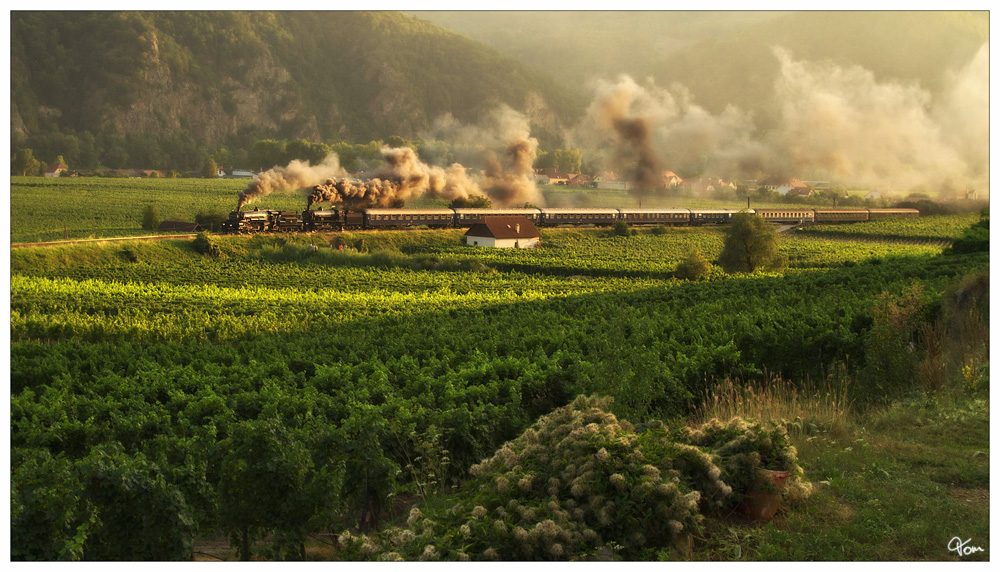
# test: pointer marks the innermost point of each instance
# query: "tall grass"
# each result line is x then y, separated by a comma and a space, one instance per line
825, 405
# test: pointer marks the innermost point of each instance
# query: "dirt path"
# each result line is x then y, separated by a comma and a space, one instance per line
87, 240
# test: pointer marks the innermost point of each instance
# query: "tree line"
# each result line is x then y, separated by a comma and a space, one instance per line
89, 153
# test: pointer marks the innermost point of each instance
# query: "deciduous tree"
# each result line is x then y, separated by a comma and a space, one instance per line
211, 169
24, 163
751, 244
150, 217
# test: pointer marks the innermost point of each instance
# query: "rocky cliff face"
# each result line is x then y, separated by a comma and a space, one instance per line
261, 99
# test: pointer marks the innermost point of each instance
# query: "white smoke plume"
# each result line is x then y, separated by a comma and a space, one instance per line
842, 123
837, 123
508, 149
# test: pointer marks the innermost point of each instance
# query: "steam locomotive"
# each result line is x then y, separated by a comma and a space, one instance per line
377, 218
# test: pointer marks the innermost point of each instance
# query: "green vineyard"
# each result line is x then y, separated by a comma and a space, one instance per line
276, 390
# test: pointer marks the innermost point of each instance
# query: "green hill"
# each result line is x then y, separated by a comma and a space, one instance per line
153, 89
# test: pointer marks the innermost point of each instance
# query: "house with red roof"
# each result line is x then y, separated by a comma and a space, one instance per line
55, 169
503, 232
671, 180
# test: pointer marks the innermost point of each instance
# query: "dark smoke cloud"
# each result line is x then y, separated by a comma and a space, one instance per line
401, 177
296, 175
510, 175
625, 115
508, 179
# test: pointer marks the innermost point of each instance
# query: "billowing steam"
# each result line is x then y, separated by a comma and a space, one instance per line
296, 175
510, 176
402, 177
508, 179
625, 115
837, 123
845, 124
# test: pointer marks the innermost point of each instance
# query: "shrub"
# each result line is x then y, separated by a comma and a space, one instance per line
49, 518
621, 228
264, 486
693, 267
141, 515
890, 357
203, 244
150, 217
582, 484
976, 238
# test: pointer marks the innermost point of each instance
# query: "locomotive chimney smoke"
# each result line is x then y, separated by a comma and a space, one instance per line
635, 133
402, 176
623, 117
296, 175
509, 175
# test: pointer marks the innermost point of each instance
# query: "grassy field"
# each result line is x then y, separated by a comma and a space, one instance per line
47, 209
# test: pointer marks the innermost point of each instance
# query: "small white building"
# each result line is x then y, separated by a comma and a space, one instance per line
503, 232
55, 169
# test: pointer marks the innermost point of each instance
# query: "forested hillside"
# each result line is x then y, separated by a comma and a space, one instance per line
164, 89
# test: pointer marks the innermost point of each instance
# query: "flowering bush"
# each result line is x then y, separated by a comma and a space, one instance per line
581, 484
740, 447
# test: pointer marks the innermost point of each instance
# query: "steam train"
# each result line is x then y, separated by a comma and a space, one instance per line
378, 218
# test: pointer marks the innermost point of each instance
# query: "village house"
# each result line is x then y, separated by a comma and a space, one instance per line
503, 232
551, 176
671, 180
773, 182
235, 174
609, 180
55, 169
794, 188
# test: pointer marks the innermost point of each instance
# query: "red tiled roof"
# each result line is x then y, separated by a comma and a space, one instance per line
504, 227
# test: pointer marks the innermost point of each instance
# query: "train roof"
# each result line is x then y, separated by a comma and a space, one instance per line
409, 211
653, 211
495, 211
716, 211
580, 211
